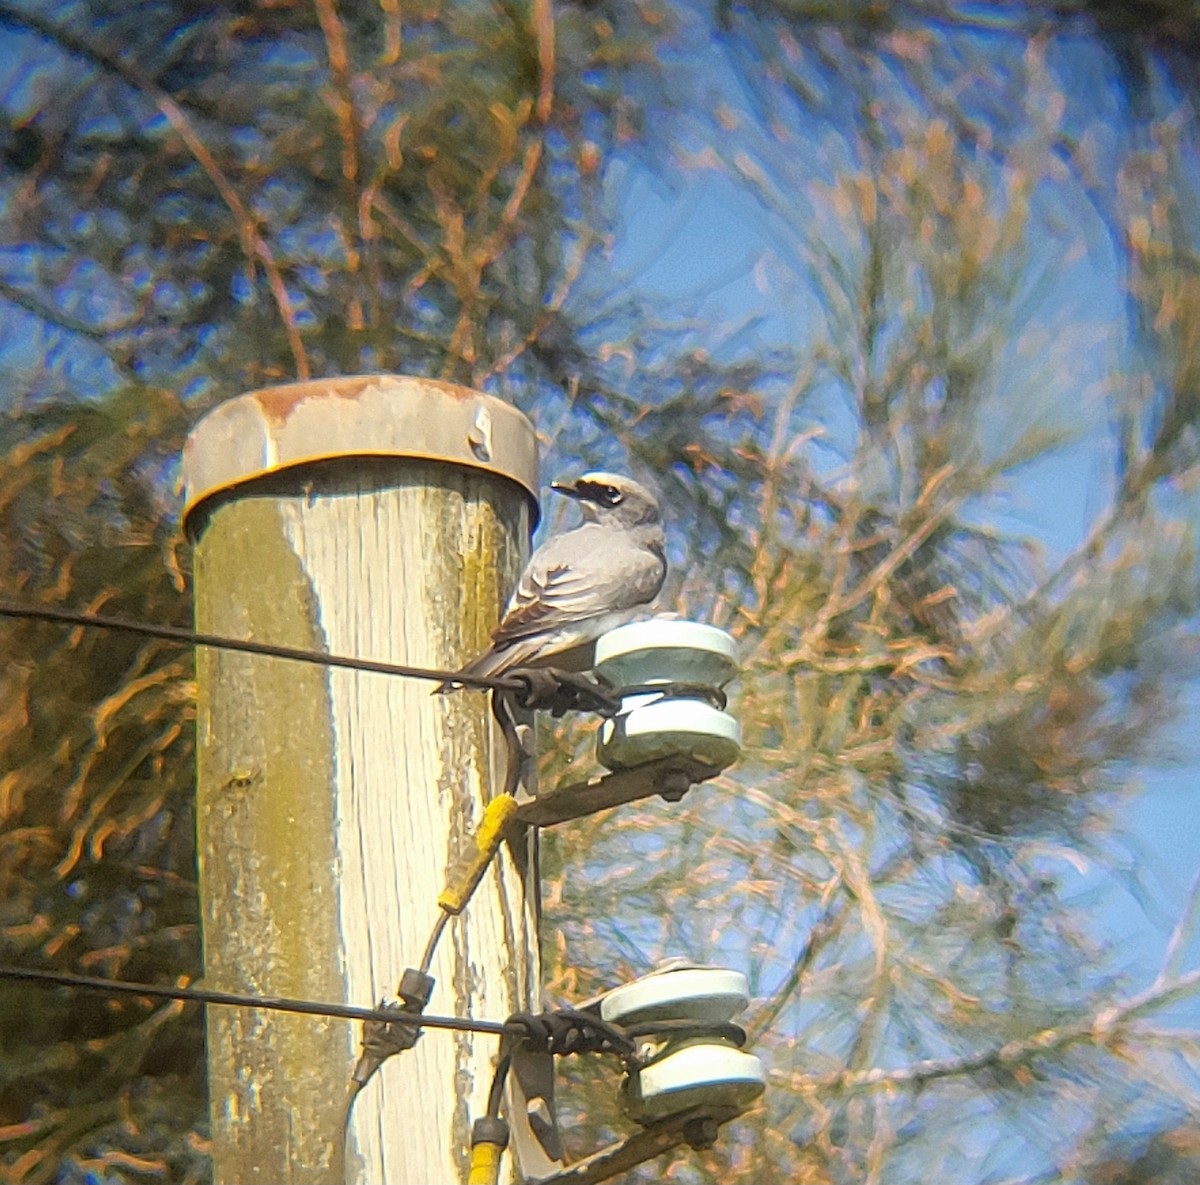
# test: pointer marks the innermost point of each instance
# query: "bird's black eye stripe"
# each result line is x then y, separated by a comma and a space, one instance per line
606, 495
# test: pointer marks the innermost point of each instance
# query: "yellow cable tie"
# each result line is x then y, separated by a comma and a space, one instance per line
480, 848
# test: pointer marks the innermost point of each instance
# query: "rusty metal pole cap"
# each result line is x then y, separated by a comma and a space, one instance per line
278, 428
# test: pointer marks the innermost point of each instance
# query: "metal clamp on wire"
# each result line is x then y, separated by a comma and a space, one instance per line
558, 692
686, 1073
564, 1032
547, 689
383, 1038
526, 1068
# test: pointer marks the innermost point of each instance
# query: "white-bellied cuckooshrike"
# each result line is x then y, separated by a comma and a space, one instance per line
583, 582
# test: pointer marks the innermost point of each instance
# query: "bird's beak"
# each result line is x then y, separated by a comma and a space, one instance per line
566, 487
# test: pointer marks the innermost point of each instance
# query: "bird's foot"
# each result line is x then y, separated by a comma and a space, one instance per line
559, 692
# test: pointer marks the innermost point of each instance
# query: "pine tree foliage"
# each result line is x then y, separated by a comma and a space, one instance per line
940, 717
939, 721
198, 200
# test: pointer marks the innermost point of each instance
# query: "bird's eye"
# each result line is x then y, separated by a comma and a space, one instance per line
612, 495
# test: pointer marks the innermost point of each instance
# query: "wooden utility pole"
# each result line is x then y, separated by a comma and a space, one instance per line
388, 518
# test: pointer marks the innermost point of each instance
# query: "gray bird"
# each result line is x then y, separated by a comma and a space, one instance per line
583, 582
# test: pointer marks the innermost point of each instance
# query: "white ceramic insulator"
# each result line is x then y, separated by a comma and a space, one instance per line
713, 1074
707, 995
669, 728
666, 650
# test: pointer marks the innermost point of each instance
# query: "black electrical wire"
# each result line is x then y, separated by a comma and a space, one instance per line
565, 1031
171, 633
239, 1000
682, 1028
496, 1093
434, 936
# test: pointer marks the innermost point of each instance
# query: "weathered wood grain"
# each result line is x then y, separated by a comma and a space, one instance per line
330, 803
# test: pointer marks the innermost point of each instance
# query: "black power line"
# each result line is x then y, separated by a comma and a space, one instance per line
171, 633
239, 1000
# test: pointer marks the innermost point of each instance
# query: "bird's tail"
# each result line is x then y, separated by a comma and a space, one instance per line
496, 661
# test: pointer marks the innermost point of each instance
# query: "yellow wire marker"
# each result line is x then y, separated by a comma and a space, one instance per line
482, 846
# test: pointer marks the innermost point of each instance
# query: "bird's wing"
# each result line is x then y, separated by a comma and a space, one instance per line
577, 576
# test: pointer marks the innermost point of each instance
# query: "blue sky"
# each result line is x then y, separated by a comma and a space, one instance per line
697, 240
